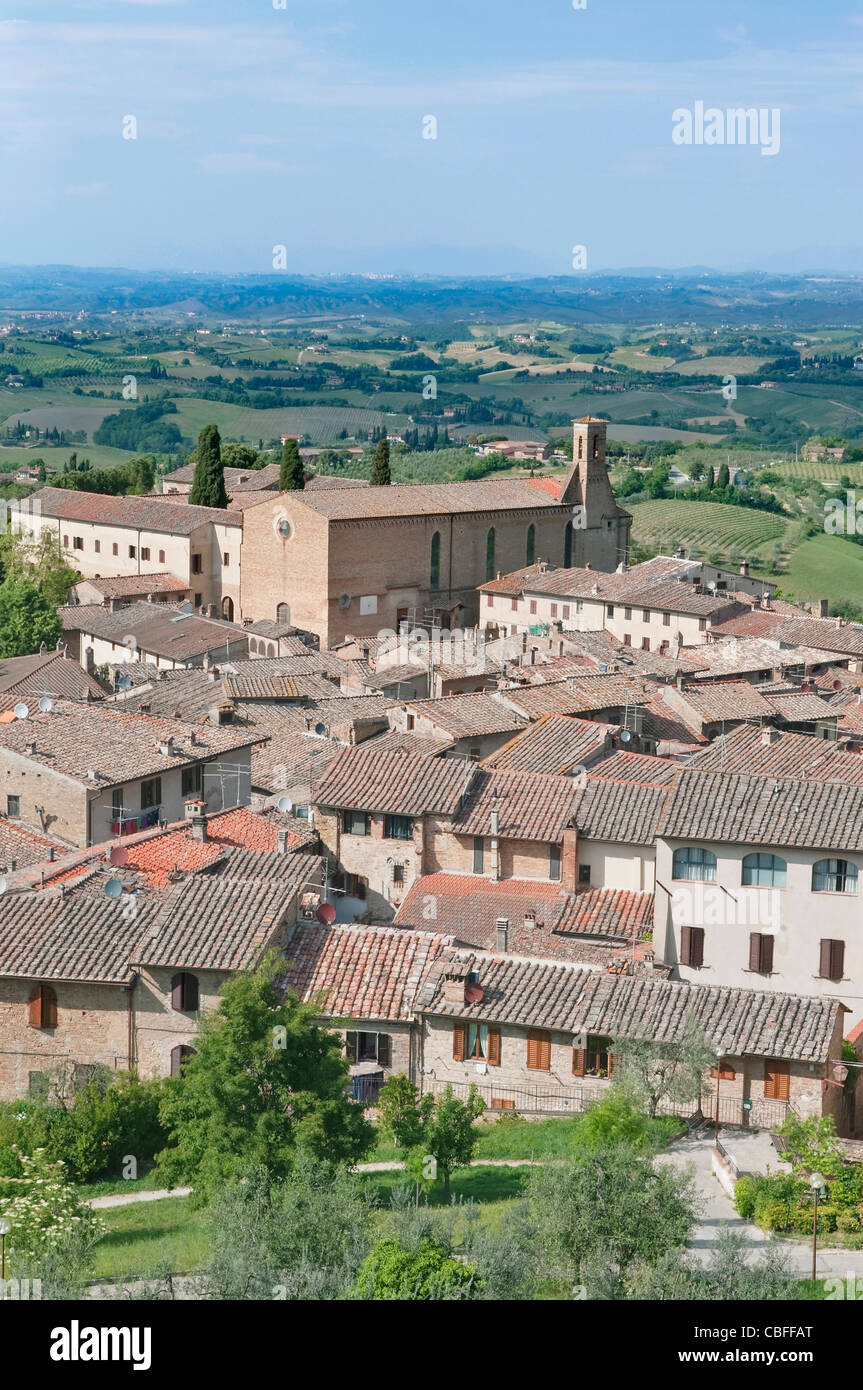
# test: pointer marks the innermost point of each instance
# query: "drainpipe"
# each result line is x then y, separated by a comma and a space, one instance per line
130, 996
495, 844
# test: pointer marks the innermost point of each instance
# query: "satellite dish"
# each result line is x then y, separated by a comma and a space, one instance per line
118, 856
320, 729
625, 736
344, 601
472, 994
326, 914
45, 705
284, 803
21, 711
113, 888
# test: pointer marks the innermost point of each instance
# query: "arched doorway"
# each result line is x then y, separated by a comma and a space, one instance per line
228, 609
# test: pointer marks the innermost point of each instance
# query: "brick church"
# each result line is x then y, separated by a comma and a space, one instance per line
357, 560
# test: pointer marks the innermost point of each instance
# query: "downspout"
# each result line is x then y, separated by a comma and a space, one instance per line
495, 846
130, 1045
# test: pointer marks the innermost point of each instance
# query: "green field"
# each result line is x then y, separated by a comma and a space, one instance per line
14, 456
824, 567
322, 424
707, 528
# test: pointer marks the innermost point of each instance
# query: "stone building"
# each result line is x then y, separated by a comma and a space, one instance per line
342, 560
86, 773
105, 536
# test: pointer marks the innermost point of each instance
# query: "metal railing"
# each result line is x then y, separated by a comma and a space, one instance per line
574, 1100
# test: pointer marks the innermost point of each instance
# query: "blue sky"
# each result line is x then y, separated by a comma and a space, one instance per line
302, 126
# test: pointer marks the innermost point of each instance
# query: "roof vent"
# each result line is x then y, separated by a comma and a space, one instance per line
501, 928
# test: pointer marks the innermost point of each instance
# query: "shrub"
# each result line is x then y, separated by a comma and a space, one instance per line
847, 1221
107, 1125
428, 1272
773, 1214
744, 1197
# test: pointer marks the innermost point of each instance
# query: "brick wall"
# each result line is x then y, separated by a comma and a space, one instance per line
92, 1029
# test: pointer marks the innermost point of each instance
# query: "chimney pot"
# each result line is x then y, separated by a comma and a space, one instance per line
282, 841
501, 927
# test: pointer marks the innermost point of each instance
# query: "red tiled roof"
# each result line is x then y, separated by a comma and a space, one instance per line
402, 784
361, 972
178, 849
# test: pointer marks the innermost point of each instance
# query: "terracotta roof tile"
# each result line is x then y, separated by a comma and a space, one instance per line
360, 972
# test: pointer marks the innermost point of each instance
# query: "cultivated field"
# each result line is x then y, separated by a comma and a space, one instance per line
707, 528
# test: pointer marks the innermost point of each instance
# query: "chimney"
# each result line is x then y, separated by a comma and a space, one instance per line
587, 565
495, 860
30, 749
744, 568
50, 854
769, 735
453, 985
823, 608
529, 920
569, 860
195, 814
42, 649
282, 841
501, 930
166, 747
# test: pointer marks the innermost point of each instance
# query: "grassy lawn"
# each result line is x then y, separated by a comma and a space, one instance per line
147, 1235
824, 567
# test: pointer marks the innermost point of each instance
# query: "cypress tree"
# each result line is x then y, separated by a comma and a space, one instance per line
208, 485
381, 476
291, 475
724, 476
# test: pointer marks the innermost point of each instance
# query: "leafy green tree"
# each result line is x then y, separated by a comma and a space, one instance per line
402, 1114
291, 475
657, 1072
723, 477
38, 562
608, 1208
428, 1272
813, 1145
208, 484
301, 1237
108, 1122
264, 1082
439, 1128
380, 475
235, 455
27, 619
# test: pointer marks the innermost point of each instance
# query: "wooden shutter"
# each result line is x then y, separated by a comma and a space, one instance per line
826, 952
177, 994
832, 960
34, 1016
766, 954
190, 992
777, 1079
494, 1047
49, 1007
385, 1052
578, 1061
458, 1042
610, 1063
351, 1046
692, 946
755, 951
179, 1057
724, 1071
538, 1049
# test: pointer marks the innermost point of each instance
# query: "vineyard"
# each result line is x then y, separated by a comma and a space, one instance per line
710, 530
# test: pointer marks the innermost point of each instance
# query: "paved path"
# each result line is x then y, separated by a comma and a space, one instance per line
754, 1153
125, 1199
